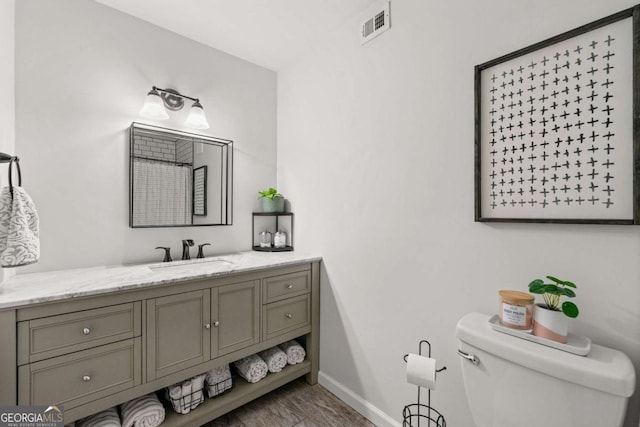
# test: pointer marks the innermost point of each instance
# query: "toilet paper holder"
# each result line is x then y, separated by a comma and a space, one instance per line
419, 411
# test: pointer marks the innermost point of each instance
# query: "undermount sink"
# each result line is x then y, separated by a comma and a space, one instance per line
190, 266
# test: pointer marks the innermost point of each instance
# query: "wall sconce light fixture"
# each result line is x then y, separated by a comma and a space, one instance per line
157, 99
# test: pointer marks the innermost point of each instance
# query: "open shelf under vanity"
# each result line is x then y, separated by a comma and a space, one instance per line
241, 393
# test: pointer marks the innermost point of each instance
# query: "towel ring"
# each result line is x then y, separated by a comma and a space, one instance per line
16, 160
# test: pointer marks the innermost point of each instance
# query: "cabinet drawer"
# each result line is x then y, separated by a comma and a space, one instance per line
56, 335
74, 379
287, 315
276, 288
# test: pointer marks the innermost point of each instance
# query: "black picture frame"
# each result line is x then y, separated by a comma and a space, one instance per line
611, 67
200, 191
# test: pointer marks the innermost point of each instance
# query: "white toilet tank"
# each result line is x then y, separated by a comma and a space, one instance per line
519, 383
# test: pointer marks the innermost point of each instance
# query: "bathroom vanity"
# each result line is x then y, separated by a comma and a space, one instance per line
90, 339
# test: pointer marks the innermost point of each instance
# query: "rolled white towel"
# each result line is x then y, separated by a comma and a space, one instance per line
106, 418
145, 411
218, 380
275, 359
197, 384
294, 351
186, 396
252, 368
174, 395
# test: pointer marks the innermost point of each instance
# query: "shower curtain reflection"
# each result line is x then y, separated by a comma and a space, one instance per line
167, 199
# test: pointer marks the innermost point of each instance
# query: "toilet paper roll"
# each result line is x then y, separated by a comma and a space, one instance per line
421, 371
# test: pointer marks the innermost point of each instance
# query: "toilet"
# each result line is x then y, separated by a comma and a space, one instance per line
512, 382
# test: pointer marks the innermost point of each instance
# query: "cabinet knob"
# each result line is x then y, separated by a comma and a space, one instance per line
216, 323
289, 286
86, 331
207, 326
288, 315
86, 378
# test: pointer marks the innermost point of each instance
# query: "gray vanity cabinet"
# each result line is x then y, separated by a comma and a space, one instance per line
91, 353
178, 332
235, 317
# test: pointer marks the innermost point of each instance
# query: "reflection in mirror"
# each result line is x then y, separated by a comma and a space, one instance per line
178, 179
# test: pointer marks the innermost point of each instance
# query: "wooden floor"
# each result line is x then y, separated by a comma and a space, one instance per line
296, 404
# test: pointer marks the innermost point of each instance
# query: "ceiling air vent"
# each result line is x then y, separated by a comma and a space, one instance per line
376, 23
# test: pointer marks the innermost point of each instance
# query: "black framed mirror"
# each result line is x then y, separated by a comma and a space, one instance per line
178, 179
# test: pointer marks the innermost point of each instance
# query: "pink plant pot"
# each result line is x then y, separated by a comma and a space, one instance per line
550, 324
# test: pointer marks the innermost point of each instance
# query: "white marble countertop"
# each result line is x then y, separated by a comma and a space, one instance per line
34, 288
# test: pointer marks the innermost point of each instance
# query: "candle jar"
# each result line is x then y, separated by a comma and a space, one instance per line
516, 309
265, 239
280, 239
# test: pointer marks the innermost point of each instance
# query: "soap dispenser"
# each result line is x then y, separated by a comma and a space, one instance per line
265, 239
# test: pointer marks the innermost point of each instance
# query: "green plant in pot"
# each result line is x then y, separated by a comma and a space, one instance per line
551, 319
272, 201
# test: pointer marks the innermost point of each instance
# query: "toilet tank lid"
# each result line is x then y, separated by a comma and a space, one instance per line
604, 369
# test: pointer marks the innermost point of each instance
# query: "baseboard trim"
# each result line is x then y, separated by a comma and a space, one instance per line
364, 407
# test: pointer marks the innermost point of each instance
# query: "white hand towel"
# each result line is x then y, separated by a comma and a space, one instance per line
294, 351
106, 418
145, 411
219, 380
19, 230
252, 368
275, 359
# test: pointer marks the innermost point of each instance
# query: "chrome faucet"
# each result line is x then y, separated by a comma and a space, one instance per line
185, 248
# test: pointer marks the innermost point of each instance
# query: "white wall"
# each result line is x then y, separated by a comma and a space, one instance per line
375, 152
82, 73
7, 89
7, 77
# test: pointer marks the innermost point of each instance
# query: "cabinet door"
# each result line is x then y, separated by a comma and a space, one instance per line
235, 317
177, 332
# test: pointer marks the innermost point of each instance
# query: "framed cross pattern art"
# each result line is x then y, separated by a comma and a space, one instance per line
557, 138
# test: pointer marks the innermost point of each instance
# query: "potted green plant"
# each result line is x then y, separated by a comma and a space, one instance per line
551, 319
272, 201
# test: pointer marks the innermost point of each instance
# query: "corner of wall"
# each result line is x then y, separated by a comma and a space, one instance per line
357, 402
